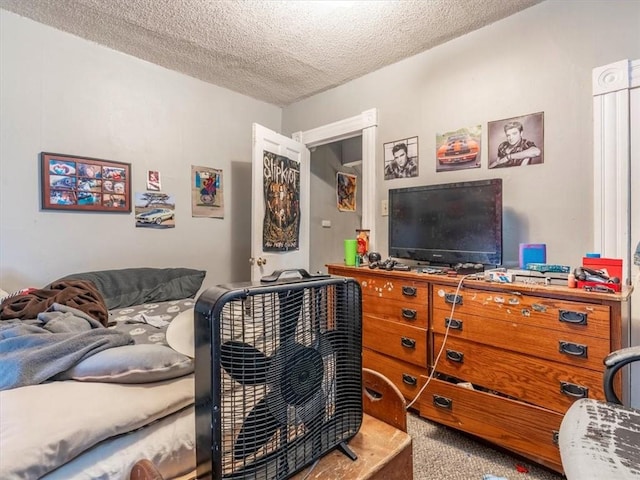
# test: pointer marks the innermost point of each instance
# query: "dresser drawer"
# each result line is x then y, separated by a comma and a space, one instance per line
570, 348
525, 429
541, 382
397, 310
392, 288
561, 315
403, 342
403, 375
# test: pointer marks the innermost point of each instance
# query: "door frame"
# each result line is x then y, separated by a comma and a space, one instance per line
365, 124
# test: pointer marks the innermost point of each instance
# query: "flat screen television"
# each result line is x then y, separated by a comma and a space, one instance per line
447, 224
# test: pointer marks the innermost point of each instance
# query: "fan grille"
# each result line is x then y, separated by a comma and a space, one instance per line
285, 377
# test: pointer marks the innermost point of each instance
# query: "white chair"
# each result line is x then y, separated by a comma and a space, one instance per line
601, 440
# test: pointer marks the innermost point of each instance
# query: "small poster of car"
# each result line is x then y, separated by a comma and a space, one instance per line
155, 210
459, 149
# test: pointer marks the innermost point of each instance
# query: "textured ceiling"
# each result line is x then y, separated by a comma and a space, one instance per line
279, 51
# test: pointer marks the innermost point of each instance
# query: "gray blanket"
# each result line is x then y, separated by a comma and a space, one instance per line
33, 351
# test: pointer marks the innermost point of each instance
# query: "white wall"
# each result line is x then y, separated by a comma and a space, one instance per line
537, 60
326, 244
62, 94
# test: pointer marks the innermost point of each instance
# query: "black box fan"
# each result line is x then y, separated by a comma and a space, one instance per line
278, 371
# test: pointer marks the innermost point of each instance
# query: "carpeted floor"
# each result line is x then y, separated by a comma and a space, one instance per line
442, 453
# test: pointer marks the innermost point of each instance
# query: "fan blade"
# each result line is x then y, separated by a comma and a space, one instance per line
257, 429
314, 407
324, 344
290, 306
296, 377
245, 363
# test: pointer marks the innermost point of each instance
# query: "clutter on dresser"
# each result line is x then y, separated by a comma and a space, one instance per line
362, 247
532, 253
350, 252
389, 264
535, 273
600, 274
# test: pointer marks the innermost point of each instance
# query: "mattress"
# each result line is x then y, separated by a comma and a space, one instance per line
95, 430
168, 443
48, 425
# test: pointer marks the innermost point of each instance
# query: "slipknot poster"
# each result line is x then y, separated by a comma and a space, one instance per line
281, 224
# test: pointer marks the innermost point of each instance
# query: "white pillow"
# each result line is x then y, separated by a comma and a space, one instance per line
142, 363
180, 333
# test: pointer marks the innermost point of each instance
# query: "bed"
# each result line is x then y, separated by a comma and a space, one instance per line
125, 396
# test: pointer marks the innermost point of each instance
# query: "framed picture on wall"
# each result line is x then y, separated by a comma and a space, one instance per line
401, 158
516, 141
69, 182
458, 149
346, 185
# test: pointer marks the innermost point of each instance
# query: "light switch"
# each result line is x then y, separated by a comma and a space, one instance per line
384, 208
326, 223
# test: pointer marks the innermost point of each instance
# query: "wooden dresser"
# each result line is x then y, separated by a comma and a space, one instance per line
394, 325
516, 356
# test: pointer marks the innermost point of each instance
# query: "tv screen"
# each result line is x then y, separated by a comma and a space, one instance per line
447, 224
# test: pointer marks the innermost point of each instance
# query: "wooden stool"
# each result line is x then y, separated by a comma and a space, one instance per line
383, 447
383, 400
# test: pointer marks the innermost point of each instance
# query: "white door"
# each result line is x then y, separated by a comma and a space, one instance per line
265, 140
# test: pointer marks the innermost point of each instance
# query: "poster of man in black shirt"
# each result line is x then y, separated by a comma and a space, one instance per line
401, 158
516, 141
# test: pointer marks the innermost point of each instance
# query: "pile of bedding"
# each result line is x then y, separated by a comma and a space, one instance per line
85, 394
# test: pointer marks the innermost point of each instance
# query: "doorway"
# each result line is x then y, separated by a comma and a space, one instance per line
329, 226
364, 127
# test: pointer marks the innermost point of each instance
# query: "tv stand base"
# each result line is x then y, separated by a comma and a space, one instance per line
468, 268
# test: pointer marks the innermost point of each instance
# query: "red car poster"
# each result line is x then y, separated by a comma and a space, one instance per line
281, 224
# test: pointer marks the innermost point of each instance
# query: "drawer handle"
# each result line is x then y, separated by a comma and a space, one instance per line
409, 291
442, 402
455, 356
453, 298
409, 314
573, 390
555, 436
409, 379
569, 316
408, 342
573, 349
453, 323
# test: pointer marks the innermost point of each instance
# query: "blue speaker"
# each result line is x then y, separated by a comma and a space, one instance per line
532, 253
